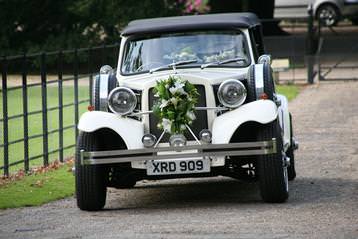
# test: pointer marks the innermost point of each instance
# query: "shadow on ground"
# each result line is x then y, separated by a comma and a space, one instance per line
220, 191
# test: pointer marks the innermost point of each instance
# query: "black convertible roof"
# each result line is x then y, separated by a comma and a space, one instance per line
195, 22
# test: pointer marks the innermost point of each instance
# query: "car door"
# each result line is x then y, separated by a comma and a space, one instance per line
291, 8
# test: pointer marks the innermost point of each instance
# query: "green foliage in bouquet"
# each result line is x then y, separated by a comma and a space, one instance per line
176, 105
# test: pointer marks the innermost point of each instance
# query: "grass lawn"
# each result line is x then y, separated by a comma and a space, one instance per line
38, 189
16, 151
290, 91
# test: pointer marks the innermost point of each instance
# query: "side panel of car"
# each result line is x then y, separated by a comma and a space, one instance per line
284, 117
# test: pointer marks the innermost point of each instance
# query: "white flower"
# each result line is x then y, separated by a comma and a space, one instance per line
178, 88
191, 115
163, 104
167, 124
182, 127
174, 101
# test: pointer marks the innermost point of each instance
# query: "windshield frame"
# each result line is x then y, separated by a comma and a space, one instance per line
139, 37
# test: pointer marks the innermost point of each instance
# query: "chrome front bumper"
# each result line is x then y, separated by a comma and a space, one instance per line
192, 151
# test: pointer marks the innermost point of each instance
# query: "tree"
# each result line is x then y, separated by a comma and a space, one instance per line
48, 25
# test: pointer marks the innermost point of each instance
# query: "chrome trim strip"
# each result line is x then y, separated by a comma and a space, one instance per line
103, 92
259, 79
211, 108
196, 108
160, 138
192, 133
209, 150
141, 113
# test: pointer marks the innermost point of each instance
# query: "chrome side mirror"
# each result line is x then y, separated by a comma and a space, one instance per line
265, 58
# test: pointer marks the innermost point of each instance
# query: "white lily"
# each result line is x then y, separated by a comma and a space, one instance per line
178, 88
167, 124
182, 127
163, 104
191, 115
174, 101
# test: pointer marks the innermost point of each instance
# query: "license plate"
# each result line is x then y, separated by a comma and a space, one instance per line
178, 166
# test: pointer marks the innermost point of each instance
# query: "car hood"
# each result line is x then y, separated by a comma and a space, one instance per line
208, 76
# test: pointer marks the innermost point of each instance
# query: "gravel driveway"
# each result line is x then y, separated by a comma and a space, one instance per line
323, 199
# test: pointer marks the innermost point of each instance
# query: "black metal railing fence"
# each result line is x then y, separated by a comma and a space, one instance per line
38, 86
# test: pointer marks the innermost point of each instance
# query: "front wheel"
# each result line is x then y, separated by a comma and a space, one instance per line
272, 169
90, 179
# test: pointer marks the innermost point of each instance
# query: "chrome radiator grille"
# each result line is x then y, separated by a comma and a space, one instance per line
200, 123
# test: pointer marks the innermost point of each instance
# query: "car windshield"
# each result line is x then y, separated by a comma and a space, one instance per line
145, 54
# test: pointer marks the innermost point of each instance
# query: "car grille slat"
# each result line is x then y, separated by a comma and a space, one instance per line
200, 123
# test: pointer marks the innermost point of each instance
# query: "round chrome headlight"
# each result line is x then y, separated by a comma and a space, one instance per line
232, 93
149, 140
122, 101
205, 136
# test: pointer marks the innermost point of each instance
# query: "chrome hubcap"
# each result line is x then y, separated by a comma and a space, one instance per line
328, 16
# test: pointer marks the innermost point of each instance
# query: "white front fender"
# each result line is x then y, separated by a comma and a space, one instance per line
130, 130
224, 126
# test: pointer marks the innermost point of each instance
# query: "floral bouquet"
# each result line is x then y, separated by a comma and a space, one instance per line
176, 105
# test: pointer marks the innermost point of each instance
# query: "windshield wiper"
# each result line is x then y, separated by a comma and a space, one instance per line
216, 63
174, 64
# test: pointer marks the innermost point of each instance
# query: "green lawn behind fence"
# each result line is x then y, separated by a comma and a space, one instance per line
16, 130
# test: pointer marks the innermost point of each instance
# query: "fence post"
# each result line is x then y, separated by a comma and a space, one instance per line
5, 116
90, 53
75, 74
310, 46
25, 112
44, 108
60, 106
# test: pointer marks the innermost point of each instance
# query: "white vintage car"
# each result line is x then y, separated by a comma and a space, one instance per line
191, 96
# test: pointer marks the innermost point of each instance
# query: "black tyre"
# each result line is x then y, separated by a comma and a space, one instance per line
269, 85
273, 179
111, 84
291, 154
90, 179
251, 86
328, 15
